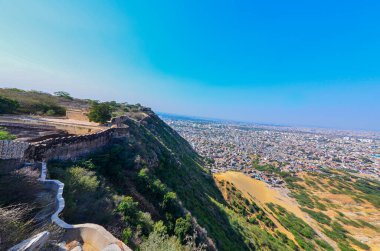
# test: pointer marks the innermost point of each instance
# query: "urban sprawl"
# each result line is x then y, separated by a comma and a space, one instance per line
234, 146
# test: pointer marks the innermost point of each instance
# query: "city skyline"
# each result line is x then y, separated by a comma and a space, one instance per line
298, 64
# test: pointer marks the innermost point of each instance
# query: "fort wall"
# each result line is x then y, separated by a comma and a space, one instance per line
10, 149
72, 147
63, 148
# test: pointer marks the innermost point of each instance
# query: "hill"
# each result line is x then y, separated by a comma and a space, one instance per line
152, 190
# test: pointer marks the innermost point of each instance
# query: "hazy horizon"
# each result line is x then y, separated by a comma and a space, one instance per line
297, 64
163, 114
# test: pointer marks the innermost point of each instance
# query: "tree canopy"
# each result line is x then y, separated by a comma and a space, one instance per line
8, 105
100, 112
63, 94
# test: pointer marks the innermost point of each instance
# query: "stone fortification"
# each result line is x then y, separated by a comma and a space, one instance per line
72, 147
10, 149
64, 147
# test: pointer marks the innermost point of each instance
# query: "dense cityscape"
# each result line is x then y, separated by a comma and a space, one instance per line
234, 146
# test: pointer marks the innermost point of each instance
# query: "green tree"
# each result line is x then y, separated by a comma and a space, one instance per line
63, 94
129, 208
170, 202
127, 234
183, 227
160, 228
8, 105
100, 112
145, 222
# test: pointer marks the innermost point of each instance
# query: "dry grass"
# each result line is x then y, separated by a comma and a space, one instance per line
353, 210
263, 194
24, 206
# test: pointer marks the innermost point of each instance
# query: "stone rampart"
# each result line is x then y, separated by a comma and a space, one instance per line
10, 149
67, 147
72, 147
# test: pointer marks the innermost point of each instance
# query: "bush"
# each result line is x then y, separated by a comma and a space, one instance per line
30, 102
4, 135
100, 113
127, 234
145, 222
50, 112
170, 204
160, 228
8, 105
182, 227
63, 94
86, 199
159, 242
318, 216
128, 208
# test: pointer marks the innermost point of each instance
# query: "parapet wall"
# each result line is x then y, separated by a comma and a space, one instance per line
72, 147
10, 149
93, 234
66, 147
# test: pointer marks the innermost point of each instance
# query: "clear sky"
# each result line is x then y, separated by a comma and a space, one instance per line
313, 63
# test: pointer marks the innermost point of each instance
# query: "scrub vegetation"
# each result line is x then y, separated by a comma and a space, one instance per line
30, 102
319, 195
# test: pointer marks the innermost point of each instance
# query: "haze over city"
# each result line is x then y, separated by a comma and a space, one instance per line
293, 63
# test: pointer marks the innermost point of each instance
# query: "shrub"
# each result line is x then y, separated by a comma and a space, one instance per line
8, 105
170, 203
182, 227
86, 199
127, 234
32, 102
128, 208
4, 135
318, 216
145, 222
100, 113
63, 94
159, 242
50, 112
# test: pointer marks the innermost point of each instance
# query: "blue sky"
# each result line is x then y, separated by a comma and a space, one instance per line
313, 63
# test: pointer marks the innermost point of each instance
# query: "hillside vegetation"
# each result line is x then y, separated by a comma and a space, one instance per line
30, 102
17, 101
152, 191
344, 206
151, 184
